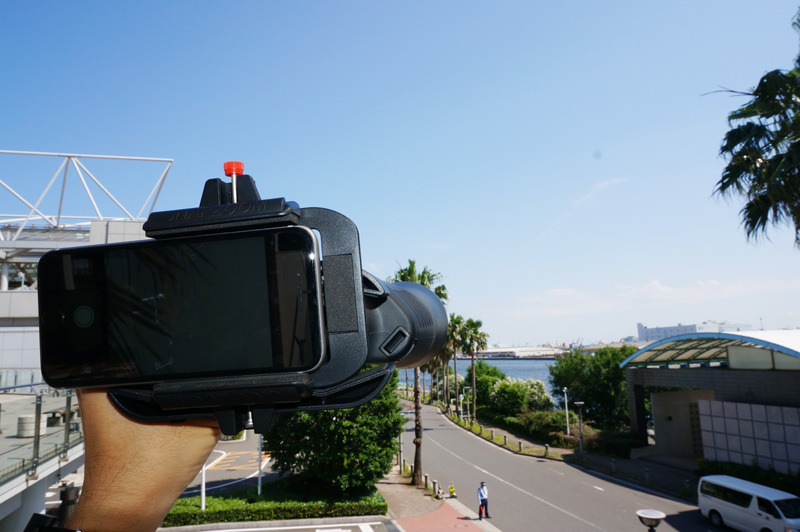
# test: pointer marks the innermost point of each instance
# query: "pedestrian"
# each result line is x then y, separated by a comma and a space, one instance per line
483, 501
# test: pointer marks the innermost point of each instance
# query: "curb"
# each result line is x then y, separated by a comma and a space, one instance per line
290, 523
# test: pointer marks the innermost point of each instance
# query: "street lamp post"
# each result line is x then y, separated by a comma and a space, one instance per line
579, 404
566, 408
650, 518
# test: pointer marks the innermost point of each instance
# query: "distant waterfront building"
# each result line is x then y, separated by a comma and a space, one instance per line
520, 352
653, 334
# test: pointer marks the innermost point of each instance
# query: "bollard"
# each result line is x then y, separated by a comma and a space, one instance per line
492, 434
505, 441
436, 488
613, 465
546, 450
69, 496
405, 465
425, 478
520, 446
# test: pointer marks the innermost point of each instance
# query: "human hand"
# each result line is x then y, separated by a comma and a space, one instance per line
135, 471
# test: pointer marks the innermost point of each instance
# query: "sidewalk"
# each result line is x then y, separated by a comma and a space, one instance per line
415, 510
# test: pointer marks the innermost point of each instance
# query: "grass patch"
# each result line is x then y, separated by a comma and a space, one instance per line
276, 502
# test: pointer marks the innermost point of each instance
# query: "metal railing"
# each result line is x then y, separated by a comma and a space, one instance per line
47, 427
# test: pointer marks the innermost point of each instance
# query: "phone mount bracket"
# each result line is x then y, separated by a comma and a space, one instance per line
253, 401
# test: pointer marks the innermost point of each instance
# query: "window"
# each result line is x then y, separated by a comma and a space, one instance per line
726, 494
768, 508
790, 508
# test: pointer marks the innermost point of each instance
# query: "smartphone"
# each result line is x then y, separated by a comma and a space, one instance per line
182, 308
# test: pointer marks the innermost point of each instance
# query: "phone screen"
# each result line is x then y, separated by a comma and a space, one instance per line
234, 304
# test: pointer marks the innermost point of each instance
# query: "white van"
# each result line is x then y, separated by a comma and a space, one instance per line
747, 506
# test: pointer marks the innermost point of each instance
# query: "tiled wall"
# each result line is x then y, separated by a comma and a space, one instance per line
750, 434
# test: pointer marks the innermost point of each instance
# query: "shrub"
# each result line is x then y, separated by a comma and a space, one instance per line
773, 479
614, 443
513, 396
333, 451
538, 398
509, 396
277, 502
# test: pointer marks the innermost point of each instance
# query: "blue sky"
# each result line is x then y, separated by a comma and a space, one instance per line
555, 163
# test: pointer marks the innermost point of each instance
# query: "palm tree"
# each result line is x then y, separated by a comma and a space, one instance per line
763, 152
428, 279
472, 340
451, 346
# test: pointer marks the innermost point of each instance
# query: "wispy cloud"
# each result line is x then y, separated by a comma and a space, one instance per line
572, 302
579, 203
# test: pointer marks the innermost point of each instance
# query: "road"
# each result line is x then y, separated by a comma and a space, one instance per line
527, 493
233, 465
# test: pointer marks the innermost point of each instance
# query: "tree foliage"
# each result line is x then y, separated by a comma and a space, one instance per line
598, 381
763, 153
335, 451
513, 396
484, 379
473, 340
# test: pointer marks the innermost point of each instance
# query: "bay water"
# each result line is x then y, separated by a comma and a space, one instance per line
517, 368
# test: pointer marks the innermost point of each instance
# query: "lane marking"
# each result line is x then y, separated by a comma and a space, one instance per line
264, 463
223, 453
521, 490
233, 456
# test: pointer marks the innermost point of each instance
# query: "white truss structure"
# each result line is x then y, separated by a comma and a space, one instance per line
26, 235
58, 220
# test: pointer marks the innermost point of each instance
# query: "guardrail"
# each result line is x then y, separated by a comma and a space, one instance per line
46, 428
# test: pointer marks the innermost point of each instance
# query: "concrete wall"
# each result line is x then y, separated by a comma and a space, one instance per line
111, 231
753, 419
675, 422
737, 385
767, 436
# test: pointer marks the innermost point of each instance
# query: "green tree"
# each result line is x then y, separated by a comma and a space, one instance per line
430, 280
453, 345
598, 381
335, 451
538, 398
472, 340
763, 153
486, 375
508, 396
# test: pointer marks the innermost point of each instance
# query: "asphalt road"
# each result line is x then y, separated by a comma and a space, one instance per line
527, 493
231, 466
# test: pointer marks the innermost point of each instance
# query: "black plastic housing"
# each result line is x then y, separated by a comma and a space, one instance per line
368, 322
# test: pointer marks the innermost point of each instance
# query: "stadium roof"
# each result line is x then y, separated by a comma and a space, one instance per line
705, 349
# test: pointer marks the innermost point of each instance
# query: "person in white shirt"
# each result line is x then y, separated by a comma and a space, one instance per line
483, 501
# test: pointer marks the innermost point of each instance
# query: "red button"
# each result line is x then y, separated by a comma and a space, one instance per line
233, 167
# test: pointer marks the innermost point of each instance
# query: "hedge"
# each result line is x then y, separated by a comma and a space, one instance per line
547, 427
773, 479
275, 503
